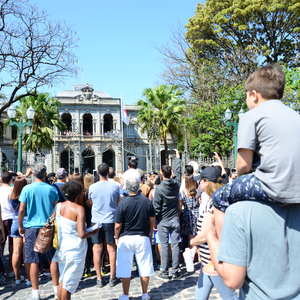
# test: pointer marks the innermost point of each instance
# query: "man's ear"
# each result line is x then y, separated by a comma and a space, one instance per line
256, 96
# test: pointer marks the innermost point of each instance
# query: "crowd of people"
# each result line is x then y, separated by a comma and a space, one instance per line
241, 225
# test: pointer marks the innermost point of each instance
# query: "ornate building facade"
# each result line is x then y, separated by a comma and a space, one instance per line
95, 133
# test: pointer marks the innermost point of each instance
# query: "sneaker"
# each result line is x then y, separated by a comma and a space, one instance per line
86, 275
35, 295
113, 282
28, 283
123, 297
18, 282
177, 275
164, 275
100, 283
146, 297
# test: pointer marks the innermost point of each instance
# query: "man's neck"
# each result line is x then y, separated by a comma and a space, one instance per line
61, 180
38, 180
165, 178
102, 178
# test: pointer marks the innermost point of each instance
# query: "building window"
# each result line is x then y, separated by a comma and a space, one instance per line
130, 130
87, 124
107, 123
67, 119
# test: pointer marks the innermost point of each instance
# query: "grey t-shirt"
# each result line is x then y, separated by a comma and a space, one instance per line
105, 196
264, 238
272, 130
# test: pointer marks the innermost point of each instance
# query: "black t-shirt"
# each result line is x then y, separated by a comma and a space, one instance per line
133, 213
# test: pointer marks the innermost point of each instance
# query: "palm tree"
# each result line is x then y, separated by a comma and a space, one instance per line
161, 112
46, 119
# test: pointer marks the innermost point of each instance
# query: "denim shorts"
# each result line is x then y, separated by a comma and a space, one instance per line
14, 229
30, 256
246, 187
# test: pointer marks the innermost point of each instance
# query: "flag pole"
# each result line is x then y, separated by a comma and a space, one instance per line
122, 134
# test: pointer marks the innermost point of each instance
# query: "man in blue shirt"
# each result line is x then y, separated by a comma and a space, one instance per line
37, 202
104, 195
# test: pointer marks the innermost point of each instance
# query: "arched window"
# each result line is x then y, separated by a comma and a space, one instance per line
109, 158
88, 159
107, 123
67, 119
67, 160
87, 124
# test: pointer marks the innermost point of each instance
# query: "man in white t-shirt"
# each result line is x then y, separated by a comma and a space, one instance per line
7, 212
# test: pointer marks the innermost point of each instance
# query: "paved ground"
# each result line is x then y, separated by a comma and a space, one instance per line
182, 289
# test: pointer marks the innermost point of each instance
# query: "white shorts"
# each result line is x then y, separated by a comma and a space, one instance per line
139, 246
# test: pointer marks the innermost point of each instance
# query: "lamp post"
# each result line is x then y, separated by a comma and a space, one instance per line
11, 112
227, 118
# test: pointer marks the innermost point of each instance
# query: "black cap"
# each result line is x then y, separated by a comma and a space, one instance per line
211, 174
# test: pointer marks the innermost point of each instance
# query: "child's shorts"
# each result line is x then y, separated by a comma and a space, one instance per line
246, 187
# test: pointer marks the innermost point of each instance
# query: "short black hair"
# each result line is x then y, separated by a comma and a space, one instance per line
6, 177
188, 170
111, 172
72, 190
133, 163
103, 169
167, 171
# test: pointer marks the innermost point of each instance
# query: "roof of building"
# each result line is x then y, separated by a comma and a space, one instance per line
79, 90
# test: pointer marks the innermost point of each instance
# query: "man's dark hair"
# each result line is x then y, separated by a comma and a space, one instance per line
111, 173
103, 169
188, 170
6, 177
167, 171
132, 163
269, 81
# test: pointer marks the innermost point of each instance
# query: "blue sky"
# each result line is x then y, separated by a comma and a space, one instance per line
118, 41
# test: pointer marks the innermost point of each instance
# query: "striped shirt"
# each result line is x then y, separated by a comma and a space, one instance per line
205, 206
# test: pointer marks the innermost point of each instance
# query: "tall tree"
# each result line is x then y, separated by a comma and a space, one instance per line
46, 119
161, 112
34, 52
240, 34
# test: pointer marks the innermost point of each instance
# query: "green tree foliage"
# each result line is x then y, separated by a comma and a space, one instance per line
161, 112
46, 119
241, 34
207, 128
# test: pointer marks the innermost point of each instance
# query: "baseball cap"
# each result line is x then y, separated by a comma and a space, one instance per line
61, 173
211, 174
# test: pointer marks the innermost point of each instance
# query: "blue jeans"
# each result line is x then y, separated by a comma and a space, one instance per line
246, 187
172, 227
205, 284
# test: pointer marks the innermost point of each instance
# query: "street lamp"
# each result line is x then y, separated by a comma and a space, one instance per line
11, 112
227, 119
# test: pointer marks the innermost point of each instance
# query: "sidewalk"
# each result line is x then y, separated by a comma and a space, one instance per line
182, 289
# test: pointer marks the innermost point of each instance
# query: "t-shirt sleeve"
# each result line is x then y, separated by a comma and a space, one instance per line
23, 197
233, 246
119, 213
247, 132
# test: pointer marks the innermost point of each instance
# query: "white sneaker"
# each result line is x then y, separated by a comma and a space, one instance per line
146, 297
35, 295
123, 297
